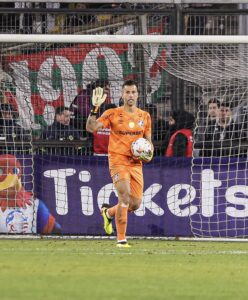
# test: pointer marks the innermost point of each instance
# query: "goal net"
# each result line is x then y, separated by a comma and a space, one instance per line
219, 165
45, 82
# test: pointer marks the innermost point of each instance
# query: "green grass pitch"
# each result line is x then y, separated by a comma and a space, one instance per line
97, 270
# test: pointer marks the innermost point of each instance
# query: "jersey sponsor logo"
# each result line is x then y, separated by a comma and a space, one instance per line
121, 132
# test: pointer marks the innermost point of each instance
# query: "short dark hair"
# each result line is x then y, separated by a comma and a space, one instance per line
214, 100
60, 109
129, 83
226, 104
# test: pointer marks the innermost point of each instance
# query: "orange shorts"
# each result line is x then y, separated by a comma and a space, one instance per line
133, 174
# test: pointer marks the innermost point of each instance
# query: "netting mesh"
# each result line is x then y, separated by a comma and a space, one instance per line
205, 196
220, 179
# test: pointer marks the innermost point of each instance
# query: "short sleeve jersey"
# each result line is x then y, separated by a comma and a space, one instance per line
125, 128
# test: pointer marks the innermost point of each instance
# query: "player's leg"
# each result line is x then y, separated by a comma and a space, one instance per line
108, 213
123, 190
136, 188
130, 194
134, 204
121, 179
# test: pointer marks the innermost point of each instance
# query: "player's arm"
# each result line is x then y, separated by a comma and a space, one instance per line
92, 124
148, 156
98, 98
148, 136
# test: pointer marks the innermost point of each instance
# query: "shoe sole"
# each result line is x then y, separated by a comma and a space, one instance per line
123, 246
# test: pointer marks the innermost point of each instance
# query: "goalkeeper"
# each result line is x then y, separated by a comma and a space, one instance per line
127, 123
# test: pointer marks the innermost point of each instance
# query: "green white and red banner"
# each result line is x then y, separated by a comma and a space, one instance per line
45, 79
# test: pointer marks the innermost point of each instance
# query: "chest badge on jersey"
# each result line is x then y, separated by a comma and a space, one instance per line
131, 124
141, 123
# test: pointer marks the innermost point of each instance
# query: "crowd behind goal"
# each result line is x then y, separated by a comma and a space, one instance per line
212, 136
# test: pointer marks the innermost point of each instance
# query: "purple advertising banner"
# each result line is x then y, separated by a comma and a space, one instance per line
214, 203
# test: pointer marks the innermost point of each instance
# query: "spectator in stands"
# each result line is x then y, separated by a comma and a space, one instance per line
204, 122
61, 128
55, 22
223, 137
79, 19
159, 125
179, 138
213, 110
240, 113
101, 18
101, 137
81, 105
9, 128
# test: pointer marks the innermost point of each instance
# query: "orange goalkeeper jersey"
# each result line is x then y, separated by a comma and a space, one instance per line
125, 128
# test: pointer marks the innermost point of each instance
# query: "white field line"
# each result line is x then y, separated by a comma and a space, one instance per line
89, 251
79, 237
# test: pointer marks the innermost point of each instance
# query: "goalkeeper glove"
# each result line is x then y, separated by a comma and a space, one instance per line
146, 157
98, 98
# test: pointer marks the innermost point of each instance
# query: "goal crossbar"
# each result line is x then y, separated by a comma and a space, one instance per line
153, 39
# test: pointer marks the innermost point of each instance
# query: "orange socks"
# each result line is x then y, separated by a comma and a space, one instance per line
120, 214
121, 222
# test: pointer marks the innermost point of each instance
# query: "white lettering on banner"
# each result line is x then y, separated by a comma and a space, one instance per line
115, 71
44, 81
105, 193
23, 94
174, 202
90, 67
60, 186
69, 81
148, 203
178, 204
90, 71
154, 81
208, 183
86, 194
49, 114
231, 197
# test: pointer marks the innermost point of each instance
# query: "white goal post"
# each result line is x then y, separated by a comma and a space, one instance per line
124, 39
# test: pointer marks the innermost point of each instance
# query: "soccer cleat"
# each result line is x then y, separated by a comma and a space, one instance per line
123, 245
107, 222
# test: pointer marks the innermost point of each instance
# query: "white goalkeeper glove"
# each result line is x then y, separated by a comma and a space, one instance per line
98, 98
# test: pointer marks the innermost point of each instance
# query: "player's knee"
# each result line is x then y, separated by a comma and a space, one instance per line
124, 197
134, 205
